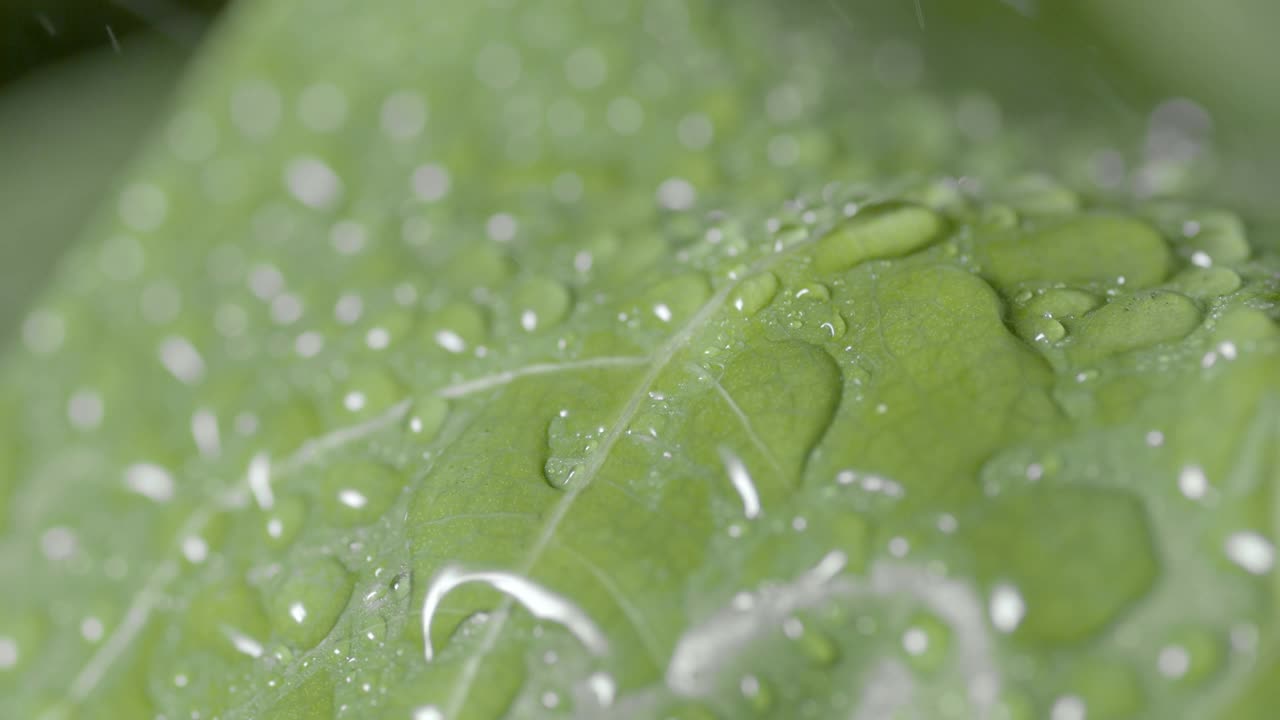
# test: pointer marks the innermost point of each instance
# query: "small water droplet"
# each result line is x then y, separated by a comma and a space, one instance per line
1191, 655
541, 303
756, 692
356, 492
1006, 607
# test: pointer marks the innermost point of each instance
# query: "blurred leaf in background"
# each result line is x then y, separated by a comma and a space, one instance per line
81, 84
65, 130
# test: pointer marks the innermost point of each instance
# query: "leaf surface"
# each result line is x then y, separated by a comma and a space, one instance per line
614, 360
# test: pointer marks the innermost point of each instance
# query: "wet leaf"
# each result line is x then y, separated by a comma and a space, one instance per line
599, 360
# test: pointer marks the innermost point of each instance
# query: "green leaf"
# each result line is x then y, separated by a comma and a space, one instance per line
447, 360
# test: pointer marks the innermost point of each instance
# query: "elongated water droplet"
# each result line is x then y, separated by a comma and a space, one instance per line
754, 293
742, 483
1133, 322
538, 600
877, 233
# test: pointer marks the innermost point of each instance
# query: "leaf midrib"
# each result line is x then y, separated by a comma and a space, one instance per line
658, 362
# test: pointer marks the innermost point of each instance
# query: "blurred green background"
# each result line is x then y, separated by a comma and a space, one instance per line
83, 82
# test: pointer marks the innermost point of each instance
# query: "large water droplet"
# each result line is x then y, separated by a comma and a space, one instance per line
875, 233
1220, 235
305, 602
1133, 322
1089, 249
1205, 283
571, 439
1076, 568
228, 619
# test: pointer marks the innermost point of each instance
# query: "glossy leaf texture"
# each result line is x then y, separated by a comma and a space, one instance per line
634, 360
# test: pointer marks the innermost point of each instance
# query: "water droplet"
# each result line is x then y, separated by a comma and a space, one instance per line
1191, 656
818, 647
538, 600
356, 492
1205, 283
1006, 607
427, 417
1173, 661
1077, 568
757, 692
23, 634
85, 410
454, 328
9, 653
369, 391
305, 602
1086, 249
1251, 551
312, 182
501, 227
1219, 236
677, 299
181, 359
195, 549
1131, 323
570, 441
428, 712
403, 115
1038, 195
927, 642
59, 543
150, 481
877, 233
1068, 707
742, 483
676, 194
603, 688
754, 293
430, 182
541, 303
226, 618
1192, 482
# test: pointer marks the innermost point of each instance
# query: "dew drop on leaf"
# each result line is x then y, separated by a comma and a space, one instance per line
304, 603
